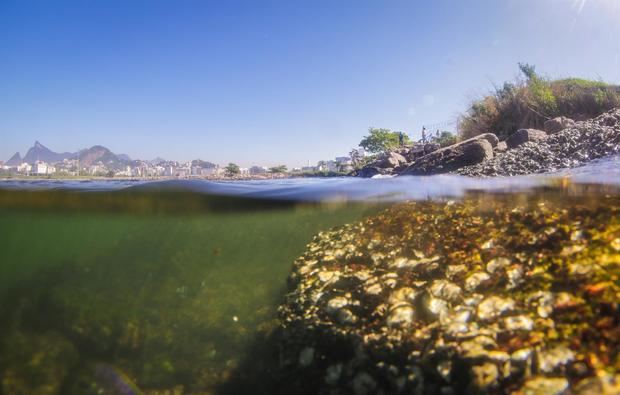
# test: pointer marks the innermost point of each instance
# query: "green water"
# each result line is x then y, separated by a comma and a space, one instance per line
171, 293
175, 293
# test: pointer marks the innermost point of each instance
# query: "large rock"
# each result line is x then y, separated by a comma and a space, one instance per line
557, 124
490, 137
368, 172
522, 136
465, 153
389, 160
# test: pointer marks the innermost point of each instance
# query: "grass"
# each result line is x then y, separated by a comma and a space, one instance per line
529, 102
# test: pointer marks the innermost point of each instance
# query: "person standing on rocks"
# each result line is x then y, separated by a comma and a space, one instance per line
424, 134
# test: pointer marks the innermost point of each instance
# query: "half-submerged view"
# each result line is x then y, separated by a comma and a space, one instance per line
357, 197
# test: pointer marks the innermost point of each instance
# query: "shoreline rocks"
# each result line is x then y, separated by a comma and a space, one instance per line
465, 153
563, 144
571, 147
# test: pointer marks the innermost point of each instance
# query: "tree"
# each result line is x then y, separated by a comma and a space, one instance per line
232, 169
278, 169
356, 158
379, 140
445, 138
529, 70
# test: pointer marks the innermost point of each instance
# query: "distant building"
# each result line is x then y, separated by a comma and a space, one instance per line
40, 168
344, 163
254, 170
209, 171
329, 165
309, 169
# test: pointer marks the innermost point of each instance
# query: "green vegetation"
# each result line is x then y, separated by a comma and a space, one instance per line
232, 169
278, 169
529, 101
379, 140
445, 139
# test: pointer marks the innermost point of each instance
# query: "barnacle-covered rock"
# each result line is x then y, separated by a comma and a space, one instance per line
480, 296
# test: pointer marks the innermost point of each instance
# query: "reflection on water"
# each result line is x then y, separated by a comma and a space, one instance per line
154, 290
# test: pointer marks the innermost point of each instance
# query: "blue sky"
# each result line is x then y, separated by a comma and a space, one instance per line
275, 81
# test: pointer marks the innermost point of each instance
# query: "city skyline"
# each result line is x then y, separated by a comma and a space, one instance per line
273, 83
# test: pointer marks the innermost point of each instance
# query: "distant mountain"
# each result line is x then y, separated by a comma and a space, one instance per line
98, 153
157, 161
124, 157
15, 160
42, 153
203, 164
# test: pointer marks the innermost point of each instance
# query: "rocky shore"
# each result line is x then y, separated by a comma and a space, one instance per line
446, 298
563, 144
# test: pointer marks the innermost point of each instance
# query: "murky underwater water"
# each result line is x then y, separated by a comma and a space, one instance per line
163, 291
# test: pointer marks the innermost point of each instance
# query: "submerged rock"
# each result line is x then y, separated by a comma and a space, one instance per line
476, 297
35, 364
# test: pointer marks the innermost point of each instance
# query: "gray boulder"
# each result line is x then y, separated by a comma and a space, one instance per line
490, 137
555, 125
368, 172
419, 150
522, 136
431, 147
389, 159
501, 147
465, 153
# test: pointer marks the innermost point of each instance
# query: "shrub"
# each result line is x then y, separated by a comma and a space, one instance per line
445, 139
529, 102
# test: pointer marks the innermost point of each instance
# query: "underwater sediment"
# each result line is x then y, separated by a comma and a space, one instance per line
502, 295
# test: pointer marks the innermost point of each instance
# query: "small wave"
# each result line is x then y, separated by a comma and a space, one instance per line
604, 171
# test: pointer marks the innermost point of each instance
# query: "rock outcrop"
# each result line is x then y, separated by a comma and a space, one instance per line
390, 160
393, 162
465, 153
563, 144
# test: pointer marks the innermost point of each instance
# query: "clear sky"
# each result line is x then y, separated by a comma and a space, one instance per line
271, 82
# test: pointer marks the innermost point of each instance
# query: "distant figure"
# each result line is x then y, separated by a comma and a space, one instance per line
401, 138
424, 134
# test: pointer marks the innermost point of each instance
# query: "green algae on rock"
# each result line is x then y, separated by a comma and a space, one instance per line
514, 294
